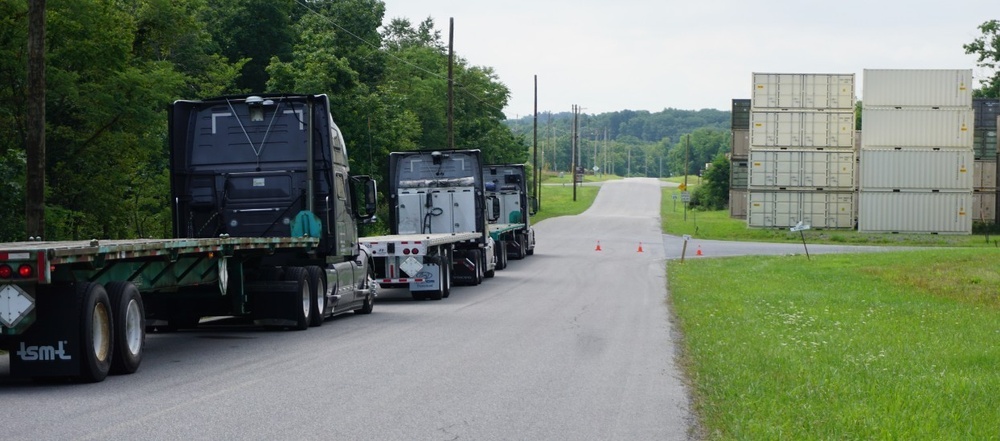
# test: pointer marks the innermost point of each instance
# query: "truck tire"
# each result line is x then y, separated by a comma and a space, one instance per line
446, 263
302, 302
129, 318
521, 247
489, 273
501, 254
372, 287
96, 331
316, 278
476, 256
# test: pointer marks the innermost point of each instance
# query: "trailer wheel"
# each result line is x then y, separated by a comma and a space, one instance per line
521, 247
302, 302
475, 256
130, 327
317, 295
96, 331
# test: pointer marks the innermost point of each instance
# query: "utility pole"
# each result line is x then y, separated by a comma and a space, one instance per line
576, 137
538, 186
451, 83
34, 210
687, 146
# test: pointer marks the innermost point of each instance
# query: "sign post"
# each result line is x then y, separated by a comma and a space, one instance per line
801, 227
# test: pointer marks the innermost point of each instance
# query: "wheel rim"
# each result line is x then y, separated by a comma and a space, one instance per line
305, 299
133, 327
101, 336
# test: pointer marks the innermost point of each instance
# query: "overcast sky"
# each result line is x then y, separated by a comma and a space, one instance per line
610, 55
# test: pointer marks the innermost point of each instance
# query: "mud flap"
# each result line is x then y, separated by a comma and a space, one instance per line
51, 346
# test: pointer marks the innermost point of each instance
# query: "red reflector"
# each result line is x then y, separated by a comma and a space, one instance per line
406, 251
25, 271
6, 271
415, 251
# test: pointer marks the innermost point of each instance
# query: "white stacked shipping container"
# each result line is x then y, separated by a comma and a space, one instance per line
917, 161
802, 164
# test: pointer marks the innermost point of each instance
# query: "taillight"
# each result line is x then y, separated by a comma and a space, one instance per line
406, 251
6, 271
25, 271
415, 251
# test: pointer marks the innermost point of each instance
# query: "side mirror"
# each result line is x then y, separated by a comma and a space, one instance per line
371, 197
493, 209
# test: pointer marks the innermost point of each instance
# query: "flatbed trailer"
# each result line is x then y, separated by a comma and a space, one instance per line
421, 262
265, 214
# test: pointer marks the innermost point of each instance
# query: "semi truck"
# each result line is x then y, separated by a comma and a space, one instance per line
510, 210
439, 229
265, 227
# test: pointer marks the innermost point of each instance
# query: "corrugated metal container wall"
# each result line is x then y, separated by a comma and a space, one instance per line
741, 142
917, 169
888, 127
805, 169
739, 173
984, 207
984, 142
987, 111
917, 88
857, 141
740, 114
984, 175
782, 209
802, 129
738, 203
803, 91
926, 212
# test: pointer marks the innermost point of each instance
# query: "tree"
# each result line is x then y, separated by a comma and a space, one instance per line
987, 48
713, 193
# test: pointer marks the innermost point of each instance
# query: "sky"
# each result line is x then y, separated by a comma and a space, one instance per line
607, 56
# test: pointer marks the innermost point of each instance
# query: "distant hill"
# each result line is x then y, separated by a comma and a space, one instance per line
639, 124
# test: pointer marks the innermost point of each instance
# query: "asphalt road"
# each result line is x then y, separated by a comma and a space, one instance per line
573, 343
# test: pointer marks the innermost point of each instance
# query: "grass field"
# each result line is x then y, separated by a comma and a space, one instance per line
557, 196
877, 346
718, 225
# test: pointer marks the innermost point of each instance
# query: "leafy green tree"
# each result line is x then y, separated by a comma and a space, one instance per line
252, 32
987, 49
713, 193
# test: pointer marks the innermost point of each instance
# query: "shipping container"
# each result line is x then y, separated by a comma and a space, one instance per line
917, 169
802, 169
740, 143
984, 176
741, 114
857, 141
915, 212
984, 143
738, 203
834, 130
783, 209
739, 173
803, 91
912, 127
987, 112
917, 88
984, 206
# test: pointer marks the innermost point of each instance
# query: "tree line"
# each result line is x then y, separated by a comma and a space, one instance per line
114, 66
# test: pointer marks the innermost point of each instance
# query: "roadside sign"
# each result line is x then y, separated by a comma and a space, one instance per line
682, 187
800, 227
674, 196
686, 196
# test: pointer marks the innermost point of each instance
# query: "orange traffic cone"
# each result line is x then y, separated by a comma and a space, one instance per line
640, 248
699, 251
598, 246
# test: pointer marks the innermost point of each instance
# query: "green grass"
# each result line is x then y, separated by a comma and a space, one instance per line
717, 225
557, 200
877, 346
